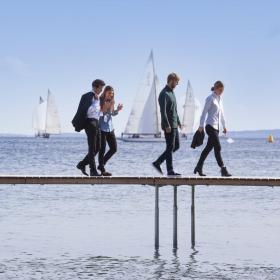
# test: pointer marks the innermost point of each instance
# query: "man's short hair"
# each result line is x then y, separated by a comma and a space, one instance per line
98, 83
173, 76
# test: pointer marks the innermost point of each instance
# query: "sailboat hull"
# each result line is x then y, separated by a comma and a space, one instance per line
142, 139
43, 135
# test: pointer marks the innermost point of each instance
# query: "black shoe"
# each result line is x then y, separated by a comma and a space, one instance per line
82, 167
199, 171
224, 172
172, 173
106, 173
94, 173
157, 167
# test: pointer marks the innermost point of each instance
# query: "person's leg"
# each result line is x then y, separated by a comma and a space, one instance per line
102, 151
112, 142
177, 141
93, 135
83, 163
217, 149
162, 157
208, 148
170, 144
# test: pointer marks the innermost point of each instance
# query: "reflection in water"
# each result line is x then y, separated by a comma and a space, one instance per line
190, 266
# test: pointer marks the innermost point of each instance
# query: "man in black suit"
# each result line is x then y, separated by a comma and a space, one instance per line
87, 118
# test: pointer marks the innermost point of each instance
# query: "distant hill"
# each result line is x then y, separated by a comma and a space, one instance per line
233, 134
255, 133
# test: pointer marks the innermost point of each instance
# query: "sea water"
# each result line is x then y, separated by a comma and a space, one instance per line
107, 232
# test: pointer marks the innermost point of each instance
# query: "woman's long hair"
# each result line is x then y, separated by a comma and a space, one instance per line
105, 98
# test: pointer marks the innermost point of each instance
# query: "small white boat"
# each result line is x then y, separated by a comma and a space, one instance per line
143, 124
45, 118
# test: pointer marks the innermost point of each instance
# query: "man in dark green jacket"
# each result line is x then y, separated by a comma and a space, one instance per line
169, 123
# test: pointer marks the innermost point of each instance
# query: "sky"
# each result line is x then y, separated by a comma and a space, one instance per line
65, 45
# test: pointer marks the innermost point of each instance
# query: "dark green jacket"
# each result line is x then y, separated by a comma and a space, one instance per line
168, 109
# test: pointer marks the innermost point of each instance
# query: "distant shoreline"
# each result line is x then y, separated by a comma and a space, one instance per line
234, 134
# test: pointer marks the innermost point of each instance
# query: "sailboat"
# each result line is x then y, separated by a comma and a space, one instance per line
46, 119
143, 124
191, 112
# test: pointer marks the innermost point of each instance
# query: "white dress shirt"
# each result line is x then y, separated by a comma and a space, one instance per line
94, 110
214, 111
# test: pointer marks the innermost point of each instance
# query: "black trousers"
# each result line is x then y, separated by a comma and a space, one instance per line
172, 145
93, 139
110, 139
213, 142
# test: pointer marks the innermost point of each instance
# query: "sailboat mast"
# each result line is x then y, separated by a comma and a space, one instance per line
155, 84
48, 97
185, 104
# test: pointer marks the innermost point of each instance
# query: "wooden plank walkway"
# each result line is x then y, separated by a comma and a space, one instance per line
127, 180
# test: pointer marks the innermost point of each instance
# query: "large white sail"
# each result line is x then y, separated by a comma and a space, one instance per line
144, 116
39, 117
52, 117
191, 111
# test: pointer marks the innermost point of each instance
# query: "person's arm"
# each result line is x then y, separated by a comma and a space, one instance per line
116, 111
205, 112
178, 121
223, 119
80, 114
162, 105
81, 107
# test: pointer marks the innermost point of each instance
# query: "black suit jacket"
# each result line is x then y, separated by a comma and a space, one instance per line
197, 139
79, 121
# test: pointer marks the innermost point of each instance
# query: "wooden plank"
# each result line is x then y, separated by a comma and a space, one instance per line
152, 181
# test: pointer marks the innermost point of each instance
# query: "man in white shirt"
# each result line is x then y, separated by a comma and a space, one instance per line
87, 117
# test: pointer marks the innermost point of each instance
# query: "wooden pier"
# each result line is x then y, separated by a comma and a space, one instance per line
156, 182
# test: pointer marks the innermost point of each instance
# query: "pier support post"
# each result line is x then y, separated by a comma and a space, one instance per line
193, 217
156, 217
175, 219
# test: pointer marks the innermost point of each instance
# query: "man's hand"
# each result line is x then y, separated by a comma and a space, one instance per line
168, 130
225, 131
200, 129
119, 108
180, 126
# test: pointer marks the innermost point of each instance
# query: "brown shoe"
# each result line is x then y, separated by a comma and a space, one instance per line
105, 173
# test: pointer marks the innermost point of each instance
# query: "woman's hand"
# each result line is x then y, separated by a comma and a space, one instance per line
225, 131
120, 106
200, 129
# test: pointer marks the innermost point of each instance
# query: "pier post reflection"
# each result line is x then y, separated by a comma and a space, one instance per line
193, 217
175, 219
156, 217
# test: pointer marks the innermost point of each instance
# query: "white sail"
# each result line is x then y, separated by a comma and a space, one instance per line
45, 117
144, 116
52, 117
198, 111
190, 112
39, 117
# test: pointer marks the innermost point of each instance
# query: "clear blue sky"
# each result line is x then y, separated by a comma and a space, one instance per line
64, 45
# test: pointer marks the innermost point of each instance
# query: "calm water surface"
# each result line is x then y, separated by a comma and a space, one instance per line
106, 232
